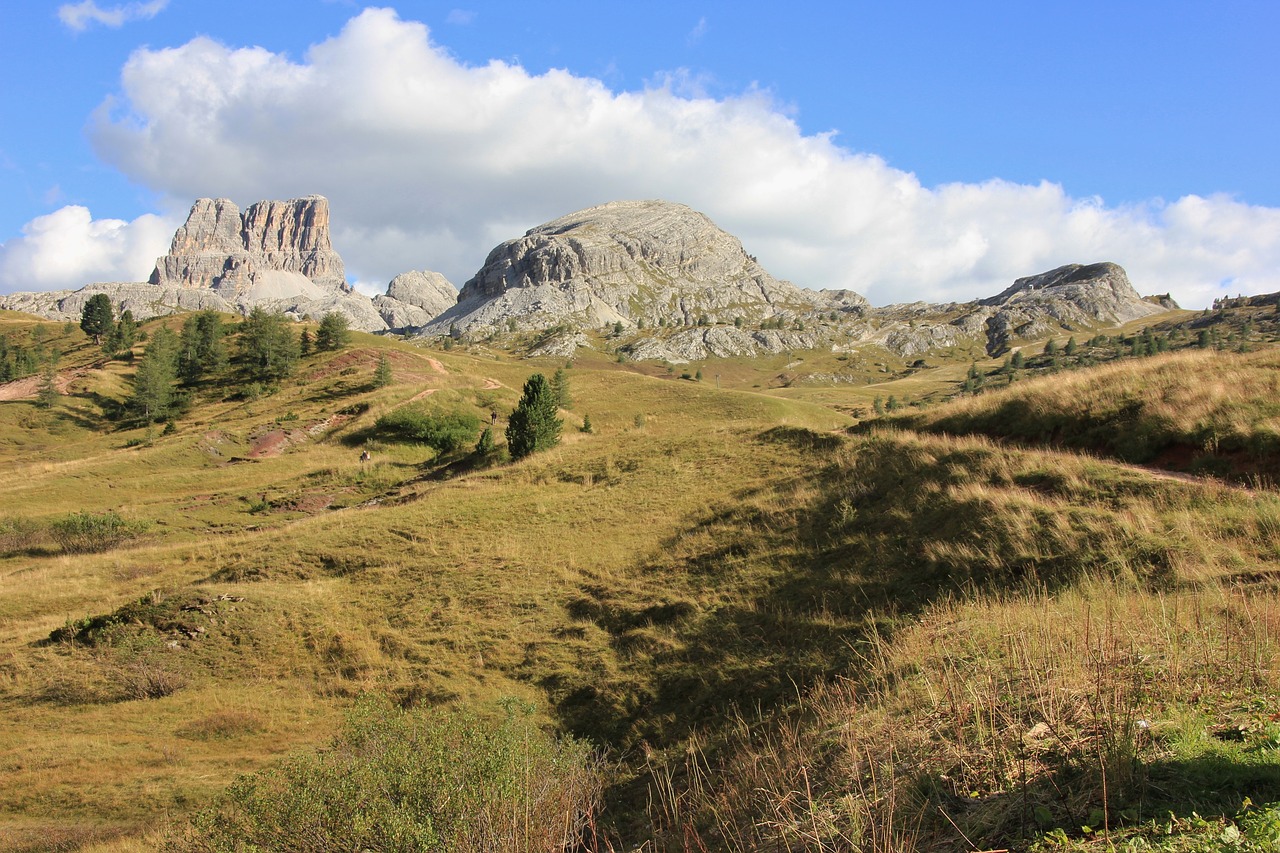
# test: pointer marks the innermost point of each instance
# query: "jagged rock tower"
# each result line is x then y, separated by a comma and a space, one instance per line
275, 249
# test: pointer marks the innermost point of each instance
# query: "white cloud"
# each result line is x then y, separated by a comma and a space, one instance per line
68, 249
78, 16
695, 35
461, 17
428, 163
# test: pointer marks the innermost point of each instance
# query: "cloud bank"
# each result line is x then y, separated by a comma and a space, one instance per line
78, 16
68, 249
429, 163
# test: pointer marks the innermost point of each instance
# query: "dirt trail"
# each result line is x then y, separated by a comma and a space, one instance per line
27, 386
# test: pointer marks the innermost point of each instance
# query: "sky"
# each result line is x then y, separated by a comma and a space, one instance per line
919, 149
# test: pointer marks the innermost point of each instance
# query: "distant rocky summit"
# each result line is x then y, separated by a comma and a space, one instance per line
275, 249
679, 289
660, 278
277, 254
632, 262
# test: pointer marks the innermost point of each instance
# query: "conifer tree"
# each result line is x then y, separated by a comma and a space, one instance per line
560, 387
154, 396
97, 318
334, 332
533, 425
382, 374
267, 346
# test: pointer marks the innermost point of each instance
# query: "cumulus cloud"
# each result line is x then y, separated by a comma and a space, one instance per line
68, 249
78, 16
428, 163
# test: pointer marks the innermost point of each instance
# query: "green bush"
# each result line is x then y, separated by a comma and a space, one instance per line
422, 780
87, 533
445, 431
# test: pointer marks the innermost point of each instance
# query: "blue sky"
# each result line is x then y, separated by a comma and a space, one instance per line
905, 150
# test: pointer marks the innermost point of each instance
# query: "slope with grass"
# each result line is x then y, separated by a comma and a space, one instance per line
783, 635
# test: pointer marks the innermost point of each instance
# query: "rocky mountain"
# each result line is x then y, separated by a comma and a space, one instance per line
632, 262
681, 289
272, 248
276, 254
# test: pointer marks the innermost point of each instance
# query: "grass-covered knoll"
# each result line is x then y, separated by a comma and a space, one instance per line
781, 635
1202, 411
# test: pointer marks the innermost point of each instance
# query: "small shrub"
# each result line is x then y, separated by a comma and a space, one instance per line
89, 533
444, 431
420, 780
20, 534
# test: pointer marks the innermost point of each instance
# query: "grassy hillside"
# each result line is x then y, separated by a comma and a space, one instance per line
779, 634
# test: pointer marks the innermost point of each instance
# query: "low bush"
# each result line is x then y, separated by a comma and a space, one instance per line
444, 431
93, 533
422, 780
20, 534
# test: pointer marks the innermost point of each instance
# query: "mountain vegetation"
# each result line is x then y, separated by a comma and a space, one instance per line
939, 603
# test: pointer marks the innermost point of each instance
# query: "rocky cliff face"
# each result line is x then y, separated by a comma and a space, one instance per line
277, 255
651, 264
634, 262
221, 249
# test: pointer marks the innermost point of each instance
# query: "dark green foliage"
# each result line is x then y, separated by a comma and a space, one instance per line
878, 405
47, 394
98, 317
304, 342
267, 347
334, 332
560, 387
617, 328
533, 425
423, 780
17, 361
154, 394
382, 373
697, 377
1018, 361
122, 336
90, 533
586, 423
892, 405
202, 349
485, 445
1051, 348
445, 431
1071, 347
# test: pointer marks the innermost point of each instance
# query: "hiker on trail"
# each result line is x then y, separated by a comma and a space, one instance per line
493, 417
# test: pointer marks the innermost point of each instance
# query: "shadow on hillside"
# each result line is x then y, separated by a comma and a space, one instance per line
788, 595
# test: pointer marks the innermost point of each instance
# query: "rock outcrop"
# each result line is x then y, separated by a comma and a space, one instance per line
273, 248
276, 255
629, 262
414, 298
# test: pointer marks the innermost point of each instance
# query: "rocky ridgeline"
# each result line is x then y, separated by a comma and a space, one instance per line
676, 287
684, 290
276, 255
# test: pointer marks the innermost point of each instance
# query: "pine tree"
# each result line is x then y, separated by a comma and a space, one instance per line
267, 346
304, 343
586, 423
201, 348
485, 445
382, 373
1072, 346
47, 393
98, 318
878, 405
334, 332
154, 396
1018, 361
560, 388
533, 425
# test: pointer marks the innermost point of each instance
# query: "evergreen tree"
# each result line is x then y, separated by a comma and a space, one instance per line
1072, 346
1051, 348
892, 404
382, 374
485, 445
878, 405
98, 318
267, 346
560, 388
334, 332
47, 394
586, 423
123, 336
533, 425
154, 398
202, 349
1018, 361
304, 342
